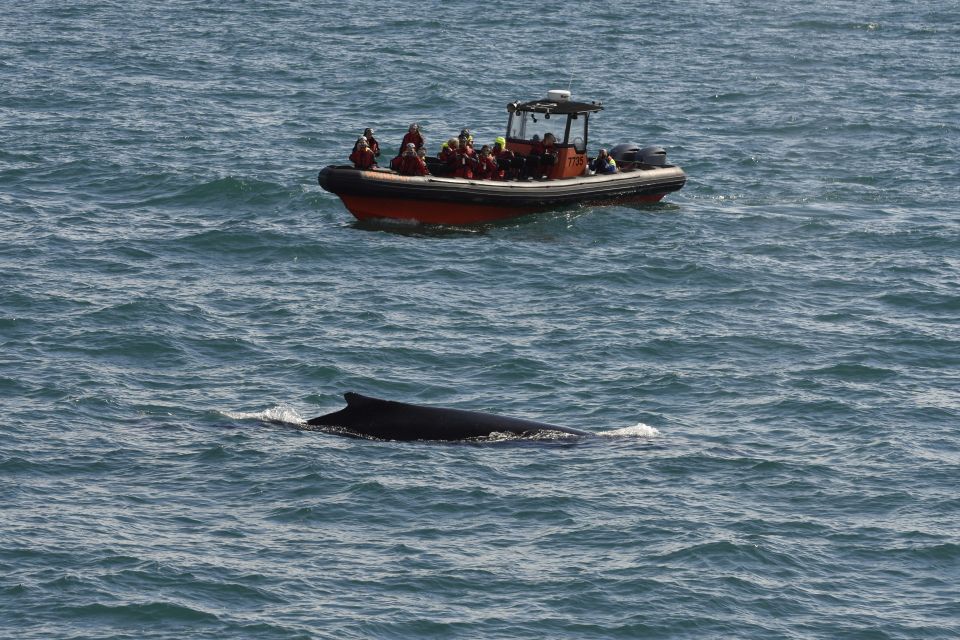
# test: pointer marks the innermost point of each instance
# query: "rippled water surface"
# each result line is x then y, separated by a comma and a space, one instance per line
771, 354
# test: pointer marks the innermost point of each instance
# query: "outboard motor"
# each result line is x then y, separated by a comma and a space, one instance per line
625, 152
656, 156
632, 153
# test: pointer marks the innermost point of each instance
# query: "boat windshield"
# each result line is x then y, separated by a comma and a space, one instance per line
578, 132
526, 124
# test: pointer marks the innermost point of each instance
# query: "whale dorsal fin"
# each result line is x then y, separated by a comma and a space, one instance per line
357, 400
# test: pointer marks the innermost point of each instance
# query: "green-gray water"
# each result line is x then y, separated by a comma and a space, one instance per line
772, 352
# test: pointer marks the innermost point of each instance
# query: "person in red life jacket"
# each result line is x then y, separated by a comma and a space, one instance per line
372, 142
448, 154
413, 135
533, 163
447, 148
549, 143
504, 158
548, 159
487, 168
464, 162
422, 154
536, 146
466, 141
362, 157
410, 163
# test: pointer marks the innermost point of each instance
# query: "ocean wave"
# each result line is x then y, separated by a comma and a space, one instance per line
176, 288
223, 193
279, 414
140, 613
639, 430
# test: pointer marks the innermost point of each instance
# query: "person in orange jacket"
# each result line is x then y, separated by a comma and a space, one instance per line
448, 150
410, 164
362, 157
466, 140
448, 157
505, 158
487, 168
413, 135
548, 156
372, 142
464, 162
536, 146
549, 143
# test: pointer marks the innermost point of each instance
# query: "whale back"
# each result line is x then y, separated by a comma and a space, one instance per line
390, 420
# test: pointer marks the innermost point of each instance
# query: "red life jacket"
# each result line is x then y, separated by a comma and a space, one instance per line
447, 155
374, 145
363, 158
414, 137
487, 168
412, 166
536, 148
463, 164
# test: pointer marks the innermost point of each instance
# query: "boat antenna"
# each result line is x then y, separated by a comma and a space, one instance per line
570, 84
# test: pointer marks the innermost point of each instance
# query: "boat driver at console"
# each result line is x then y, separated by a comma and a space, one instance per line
543, 155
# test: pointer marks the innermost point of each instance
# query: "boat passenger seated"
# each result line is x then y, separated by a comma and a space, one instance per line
413, 135
446, 157
362, 157
499, 147
448, 149
372, 142
464, 161
603, 163
487, 168
410, 164
504, 158
466, 140
422, 154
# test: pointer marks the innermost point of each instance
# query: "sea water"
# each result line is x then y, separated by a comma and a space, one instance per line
772, 354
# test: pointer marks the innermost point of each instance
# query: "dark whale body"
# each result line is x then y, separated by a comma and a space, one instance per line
389, 420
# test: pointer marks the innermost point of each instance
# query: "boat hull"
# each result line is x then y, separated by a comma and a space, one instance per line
384, 194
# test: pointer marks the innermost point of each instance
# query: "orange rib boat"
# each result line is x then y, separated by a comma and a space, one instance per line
643, 175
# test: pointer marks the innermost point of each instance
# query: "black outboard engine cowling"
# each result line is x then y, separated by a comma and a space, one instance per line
631, 152
625, 152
